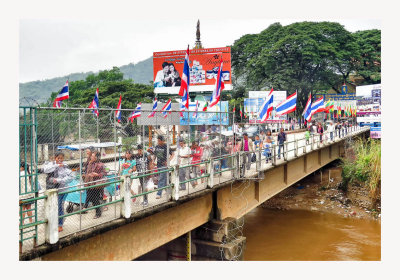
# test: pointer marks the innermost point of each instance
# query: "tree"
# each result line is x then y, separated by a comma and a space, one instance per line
303, 56
368, 63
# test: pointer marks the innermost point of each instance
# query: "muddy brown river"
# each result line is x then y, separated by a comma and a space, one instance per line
296, 235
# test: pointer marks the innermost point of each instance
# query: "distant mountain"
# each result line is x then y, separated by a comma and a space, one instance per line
36, 92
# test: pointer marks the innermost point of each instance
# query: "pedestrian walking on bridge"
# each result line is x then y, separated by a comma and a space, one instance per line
281, 142
246, 146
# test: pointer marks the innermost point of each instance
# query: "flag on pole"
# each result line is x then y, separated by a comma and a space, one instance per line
182, 109
62, 95
287, 106
167, 108
219, 86
234, 109
240, 111
184, 89
154, 108
95, 103
137, 113
328, 106
307, 109
118, 111
196, 110
317, 106
205, 107
266, 107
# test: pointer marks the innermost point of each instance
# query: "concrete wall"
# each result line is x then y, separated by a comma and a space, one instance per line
237, 200
135, 239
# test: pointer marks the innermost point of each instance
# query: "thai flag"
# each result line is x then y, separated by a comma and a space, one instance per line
307, 110
266, 108
195, 112
118, 111
137, 113
154, 108
182, 109
318, 106
95, 103
287, 106
184, 89
64, 94
219, 86
167, 108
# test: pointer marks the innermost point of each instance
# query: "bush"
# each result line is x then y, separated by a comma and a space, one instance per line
365, 169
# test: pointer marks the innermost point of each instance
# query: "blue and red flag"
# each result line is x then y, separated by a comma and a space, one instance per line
118, 111
95, 103
154, 108
307, 110
137, 113
266, 108
219, 86
287, 106
318, 106
167, 109
184, 89
64, 94
182, 109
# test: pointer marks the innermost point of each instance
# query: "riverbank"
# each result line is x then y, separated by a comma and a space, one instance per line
323, 193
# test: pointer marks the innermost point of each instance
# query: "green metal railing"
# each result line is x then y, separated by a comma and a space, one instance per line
28, 153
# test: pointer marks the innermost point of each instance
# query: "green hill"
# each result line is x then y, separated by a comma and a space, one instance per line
36, 92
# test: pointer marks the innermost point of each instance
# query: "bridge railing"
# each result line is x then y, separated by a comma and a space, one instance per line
123, 190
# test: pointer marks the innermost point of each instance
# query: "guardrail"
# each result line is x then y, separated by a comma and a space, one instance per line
204, 174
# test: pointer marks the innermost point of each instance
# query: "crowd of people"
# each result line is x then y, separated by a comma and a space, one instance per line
190, 156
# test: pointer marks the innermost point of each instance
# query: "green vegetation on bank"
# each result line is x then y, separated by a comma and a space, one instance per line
364, 168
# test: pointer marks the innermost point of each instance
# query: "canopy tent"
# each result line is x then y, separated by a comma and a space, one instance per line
76, 147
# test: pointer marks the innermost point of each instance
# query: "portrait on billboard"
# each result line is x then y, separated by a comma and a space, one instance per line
168, 76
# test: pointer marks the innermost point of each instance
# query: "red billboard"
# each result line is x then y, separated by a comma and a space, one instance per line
203, 64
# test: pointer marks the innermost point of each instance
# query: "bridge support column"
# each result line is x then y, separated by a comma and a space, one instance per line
312, 142
273, 147
126, 209
210, 170
51, 214
175, 180
220, 240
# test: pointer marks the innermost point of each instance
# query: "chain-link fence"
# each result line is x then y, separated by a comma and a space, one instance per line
97, 163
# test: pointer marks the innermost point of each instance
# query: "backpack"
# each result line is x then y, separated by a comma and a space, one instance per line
51, 185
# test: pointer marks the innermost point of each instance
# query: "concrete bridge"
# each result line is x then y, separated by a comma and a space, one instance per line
211, 214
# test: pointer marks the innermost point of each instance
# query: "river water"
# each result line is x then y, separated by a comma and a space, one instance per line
297, 235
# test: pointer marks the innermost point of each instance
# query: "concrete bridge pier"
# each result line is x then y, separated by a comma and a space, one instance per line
213, 241
220, 240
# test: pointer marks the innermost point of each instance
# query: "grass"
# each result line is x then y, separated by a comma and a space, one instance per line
364, 168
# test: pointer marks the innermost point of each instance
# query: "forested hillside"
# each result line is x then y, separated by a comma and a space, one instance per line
37, 92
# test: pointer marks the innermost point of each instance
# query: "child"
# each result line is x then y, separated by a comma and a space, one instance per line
307, 136
26, 189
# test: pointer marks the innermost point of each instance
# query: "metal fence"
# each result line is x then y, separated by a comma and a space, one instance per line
87, 170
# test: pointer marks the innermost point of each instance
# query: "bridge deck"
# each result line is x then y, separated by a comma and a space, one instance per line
79, 222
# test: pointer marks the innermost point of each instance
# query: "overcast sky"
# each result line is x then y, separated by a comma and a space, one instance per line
51, 48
